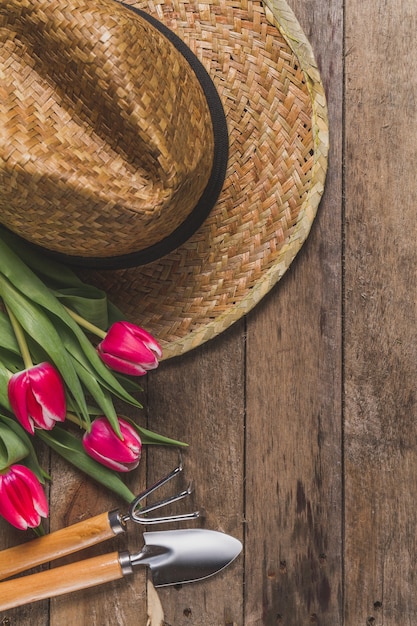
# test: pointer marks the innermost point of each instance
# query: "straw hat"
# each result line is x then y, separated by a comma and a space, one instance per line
182, 179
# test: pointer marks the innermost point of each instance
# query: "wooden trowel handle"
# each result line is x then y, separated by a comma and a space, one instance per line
55, 545
60, 580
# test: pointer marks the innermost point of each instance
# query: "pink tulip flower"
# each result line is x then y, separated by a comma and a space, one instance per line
22, 499
104, 446
37, 397
129, 349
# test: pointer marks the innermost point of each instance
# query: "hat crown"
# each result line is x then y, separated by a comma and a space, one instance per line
108, 142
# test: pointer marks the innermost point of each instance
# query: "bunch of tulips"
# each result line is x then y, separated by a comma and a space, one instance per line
54, 375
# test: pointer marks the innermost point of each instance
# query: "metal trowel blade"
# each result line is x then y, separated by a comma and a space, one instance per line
187, 555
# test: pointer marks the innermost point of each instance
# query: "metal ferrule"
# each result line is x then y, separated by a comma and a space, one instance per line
125, 563
117, 524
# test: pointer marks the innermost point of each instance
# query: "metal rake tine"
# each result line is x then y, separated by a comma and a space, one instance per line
140, 515
149, 521
159, 483
152, 488
137, 513
141, 518
166, 501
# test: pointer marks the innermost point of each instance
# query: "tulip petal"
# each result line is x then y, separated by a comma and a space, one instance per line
37, 397
118, 450
34, 408
120, 365
149, 341
132, 347
22, 499
129, 349
17, 389
40, 414
8, 511
111, 463
123, 344
102, 444
38, 495
47, 388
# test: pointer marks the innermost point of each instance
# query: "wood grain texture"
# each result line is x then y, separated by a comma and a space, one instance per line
200, 398
293, 443
301, 418
66, 579
380, 309
55, 545
75, 498
26, 615
250, 435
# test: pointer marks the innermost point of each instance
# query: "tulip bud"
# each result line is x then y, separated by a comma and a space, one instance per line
103, 445
22, 499
129, 349
37, 397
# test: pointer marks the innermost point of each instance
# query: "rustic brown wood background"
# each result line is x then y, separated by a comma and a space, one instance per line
301, 418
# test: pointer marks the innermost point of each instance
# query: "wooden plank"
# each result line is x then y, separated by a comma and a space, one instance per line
75, 498
9, 536
199, 398
293, 451
380, 341
287, 506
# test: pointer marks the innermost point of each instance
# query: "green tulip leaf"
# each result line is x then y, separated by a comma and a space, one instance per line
88, 355
11, 361
115, 314
106, 376
31, 288
4, 382
38, 326
130, 384
54, 272
71, 449
101, 396
8, 338
31, 459
22, 277
12, 447
148, 437
88, 302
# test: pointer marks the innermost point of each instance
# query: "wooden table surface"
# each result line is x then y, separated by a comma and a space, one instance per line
301, 418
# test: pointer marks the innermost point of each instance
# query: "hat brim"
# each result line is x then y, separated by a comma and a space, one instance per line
265, 72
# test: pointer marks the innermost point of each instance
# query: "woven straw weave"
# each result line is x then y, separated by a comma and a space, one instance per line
276, 106
96, 136
264, 70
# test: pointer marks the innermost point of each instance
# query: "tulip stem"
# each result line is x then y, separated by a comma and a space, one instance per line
86, 324
77, 420
20, 338
39, 530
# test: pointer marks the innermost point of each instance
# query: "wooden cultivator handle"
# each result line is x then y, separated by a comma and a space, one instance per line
57, 544
60, 580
